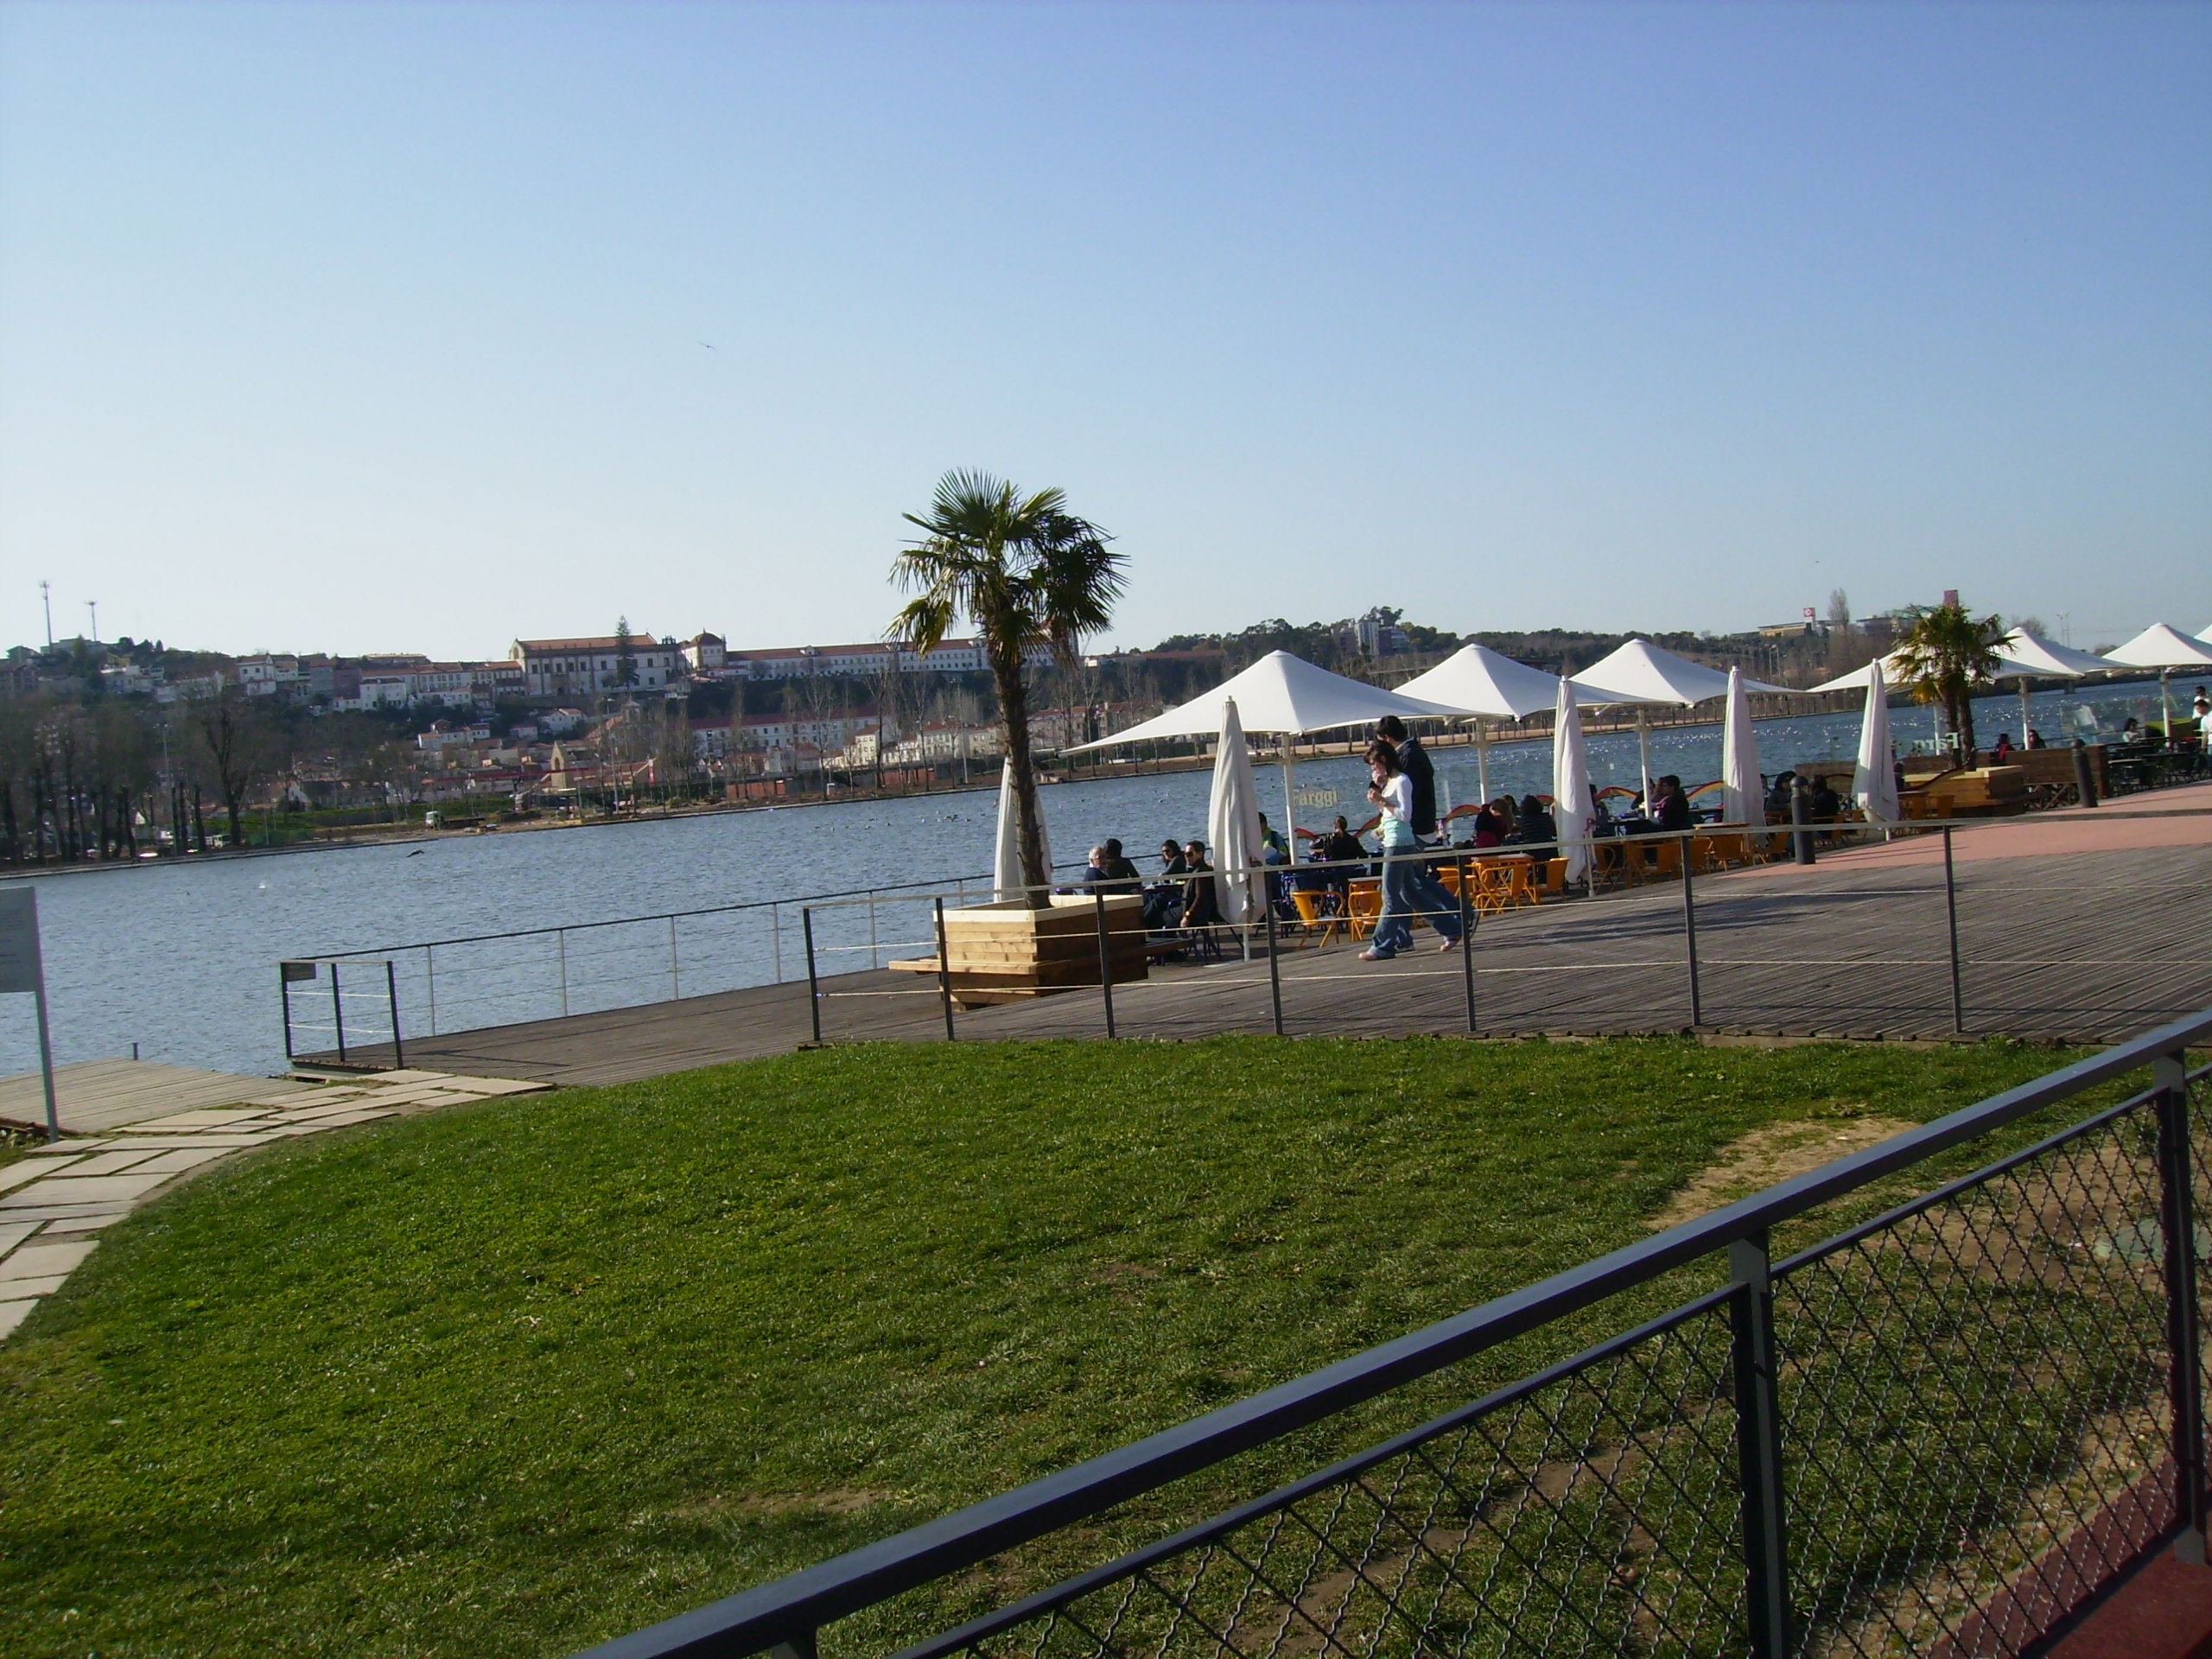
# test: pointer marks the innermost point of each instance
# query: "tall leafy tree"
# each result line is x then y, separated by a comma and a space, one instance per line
625, 653
1027, 572
1946, 655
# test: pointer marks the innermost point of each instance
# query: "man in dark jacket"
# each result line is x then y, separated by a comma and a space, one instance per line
1413, 760
1671, 809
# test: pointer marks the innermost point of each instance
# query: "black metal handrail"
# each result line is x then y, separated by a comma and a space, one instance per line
788, 1612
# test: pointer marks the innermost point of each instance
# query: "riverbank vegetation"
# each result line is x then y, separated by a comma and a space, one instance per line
512, 1378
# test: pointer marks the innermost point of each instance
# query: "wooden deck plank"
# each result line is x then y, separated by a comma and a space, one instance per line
2081, 946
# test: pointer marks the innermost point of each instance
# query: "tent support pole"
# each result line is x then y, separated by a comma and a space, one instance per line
1482, 760
1644, 749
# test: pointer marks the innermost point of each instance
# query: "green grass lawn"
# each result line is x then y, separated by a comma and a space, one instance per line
518, 1376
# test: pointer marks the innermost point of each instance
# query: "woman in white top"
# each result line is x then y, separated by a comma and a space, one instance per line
1409, 887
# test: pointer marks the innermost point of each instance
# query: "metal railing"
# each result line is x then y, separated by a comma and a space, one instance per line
1617, 866
374, 993
475, 981
1940, 1429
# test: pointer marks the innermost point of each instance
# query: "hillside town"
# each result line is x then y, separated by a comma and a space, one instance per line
128, 748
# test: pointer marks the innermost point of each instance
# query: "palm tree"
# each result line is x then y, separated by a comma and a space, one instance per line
1946, 653
1027, 572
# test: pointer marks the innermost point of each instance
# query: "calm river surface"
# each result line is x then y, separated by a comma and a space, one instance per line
181, 959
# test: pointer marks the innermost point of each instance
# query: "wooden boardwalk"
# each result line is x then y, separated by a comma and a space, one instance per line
2089, 947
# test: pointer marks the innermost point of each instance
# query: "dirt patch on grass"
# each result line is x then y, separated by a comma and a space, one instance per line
1770, 1155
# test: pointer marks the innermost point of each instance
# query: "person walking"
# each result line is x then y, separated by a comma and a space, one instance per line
1413, 760
1409, 886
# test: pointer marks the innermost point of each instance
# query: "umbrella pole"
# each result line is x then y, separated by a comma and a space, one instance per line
2023, 711
1482, 760
2166, 704
1644, 749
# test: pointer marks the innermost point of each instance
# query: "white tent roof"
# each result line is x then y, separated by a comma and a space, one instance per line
2009, 667
1641, 672
2161, 646
2049, 657
1280, 693
1476, 680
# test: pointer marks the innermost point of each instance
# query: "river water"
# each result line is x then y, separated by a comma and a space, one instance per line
181, 959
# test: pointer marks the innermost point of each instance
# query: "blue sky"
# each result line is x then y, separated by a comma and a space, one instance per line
388, 327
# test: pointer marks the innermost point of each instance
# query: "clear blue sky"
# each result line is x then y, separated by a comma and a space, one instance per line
376, 326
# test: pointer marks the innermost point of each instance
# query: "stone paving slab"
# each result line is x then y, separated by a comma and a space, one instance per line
182, 1158
40, 1261
95, 1189
12, 1314
14, 1233
204, 1119
24, 1170
111, 1163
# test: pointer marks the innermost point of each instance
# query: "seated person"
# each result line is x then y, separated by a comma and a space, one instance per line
1094, 872
1121, 876
2003, 752
1273, 849
1340, 847
1670, 808
1163, 898
1501, 810
2035, 738
1532, 828
1826, 803
1200, 905
1778, 796
1489, 832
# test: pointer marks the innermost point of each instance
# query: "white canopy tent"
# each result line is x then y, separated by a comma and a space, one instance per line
2165, 648
1284, 694
1644, 673
1889, 673
1233, 825
1478, 683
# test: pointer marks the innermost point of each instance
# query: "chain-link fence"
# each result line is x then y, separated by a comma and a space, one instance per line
1940, 1430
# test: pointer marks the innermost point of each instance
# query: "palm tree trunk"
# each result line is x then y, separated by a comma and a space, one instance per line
1014, 704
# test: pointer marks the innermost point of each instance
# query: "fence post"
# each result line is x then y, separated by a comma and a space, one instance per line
1951, 914
874, 960
1466, 945
1690, 931
561, 944
392, 997
1105, 961
2185, 1381
338, 1013
675, 982
1800, 836
430, 984
776, 935
813, 984
1275, 968
1759, 1449
944, 976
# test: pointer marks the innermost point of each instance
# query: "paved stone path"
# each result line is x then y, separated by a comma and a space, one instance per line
54, 1201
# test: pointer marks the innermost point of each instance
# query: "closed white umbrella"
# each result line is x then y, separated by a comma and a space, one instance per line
1570, 783
1874, 780
1006, 865
1233, 822
1739, 757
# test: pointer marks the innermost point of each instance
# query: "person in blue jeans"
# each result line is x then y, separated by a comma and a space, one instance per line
1409, 887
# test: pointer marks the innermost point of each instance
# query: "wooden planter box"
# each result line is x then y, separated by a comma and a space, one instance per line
1005, 952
